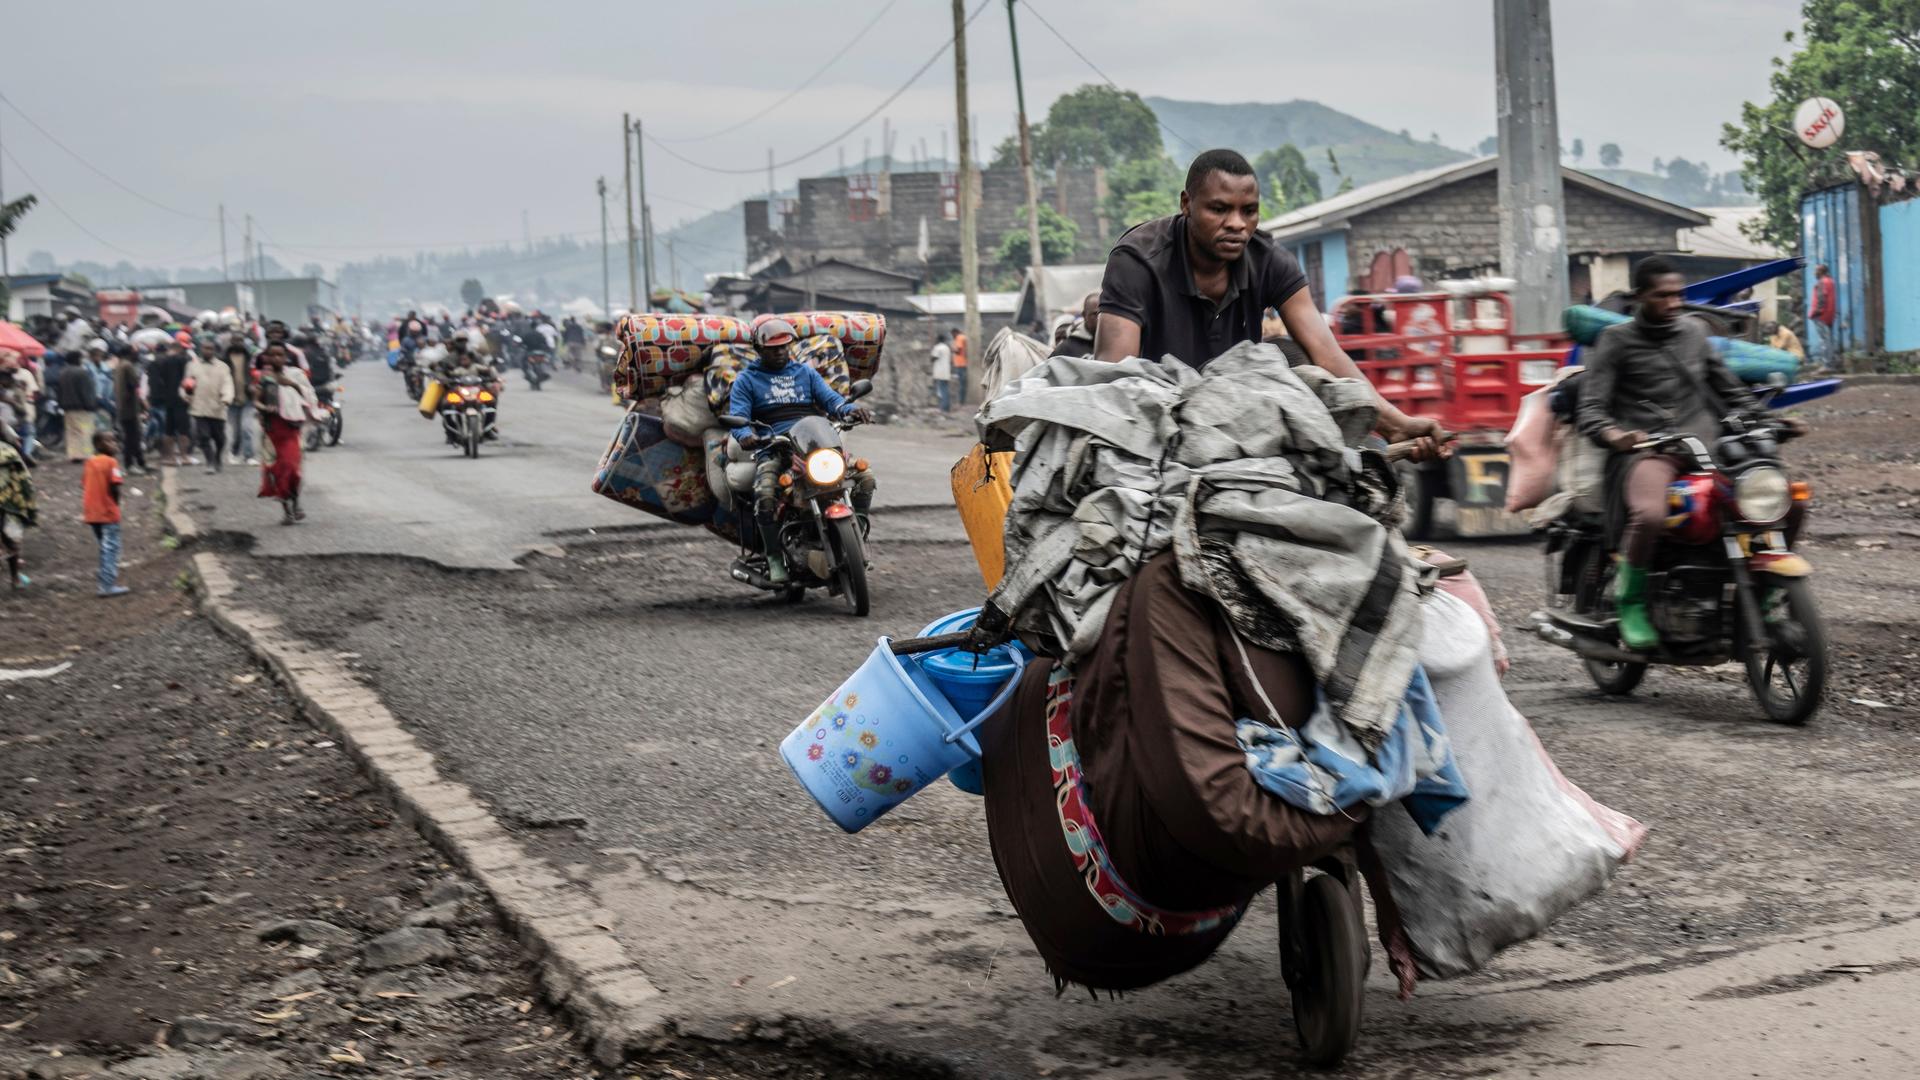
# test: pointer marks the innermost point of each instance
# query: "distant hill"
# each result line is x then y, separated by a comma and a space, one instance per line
1725, 189
1367, 153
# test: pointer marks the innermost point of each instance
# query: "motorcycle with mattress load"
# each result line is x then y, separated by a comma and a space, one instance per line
822, 536
1725, 582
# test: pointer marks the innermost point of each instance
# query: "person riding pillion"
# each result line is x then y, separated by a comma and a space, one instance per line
1658, 372
778, 393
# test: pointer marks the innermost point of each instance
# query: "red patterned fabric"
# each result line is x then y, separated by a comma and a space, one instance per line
1090, 857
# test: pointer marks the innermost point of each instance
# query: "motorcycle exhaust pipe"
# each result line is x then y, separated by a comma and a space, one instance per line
1553, 634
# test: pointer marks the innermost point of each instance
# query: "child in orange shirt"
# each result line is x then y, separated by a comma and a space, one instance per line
100, 507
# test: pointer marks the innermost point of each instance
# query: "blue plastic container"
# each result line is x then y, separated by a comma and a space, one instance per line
971, 681
885, 734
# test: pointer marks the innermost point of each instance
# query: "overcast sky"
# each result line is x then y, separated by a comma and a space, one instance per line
355, 128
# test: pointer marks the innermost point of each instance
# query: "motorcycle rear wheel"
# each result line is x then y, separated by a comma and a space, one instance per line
1789, 684
851, 554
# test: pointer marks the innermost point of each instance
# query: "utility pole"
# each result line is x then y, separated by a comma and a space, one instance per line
1533, 248
246, 258
969, 244
225, 274
633, 272
1034, 257
6, 271
606, 282
646, 212
673, 265
646, 237
526, 230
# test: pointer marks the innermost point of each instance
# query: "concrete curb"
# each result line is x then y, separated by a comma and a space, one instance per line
583, 968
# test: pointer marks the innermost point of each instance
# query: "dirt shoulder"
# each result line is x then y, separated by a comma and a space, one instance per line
199, 882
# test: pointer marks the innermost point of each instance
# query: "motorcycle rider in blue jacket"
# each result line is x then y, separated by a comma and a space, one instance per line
777, 392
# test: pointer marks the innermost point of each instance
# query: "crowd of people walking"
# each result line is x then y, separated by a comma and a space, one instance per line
176, 394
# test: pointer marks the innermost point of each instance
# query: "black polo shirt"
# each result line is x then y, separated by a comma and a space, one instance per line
1149, 281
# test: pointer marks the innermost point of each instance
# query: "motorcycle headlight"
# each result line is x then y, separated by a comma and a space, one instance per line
826, 467
486, 395
1762, 494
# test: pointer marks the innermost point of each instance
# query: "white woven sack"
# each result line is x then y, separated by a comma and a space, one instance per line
1581, 469
1527, 846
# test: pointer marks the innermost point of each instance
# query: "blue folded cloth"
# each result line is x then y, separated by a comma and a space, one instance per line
1322, 769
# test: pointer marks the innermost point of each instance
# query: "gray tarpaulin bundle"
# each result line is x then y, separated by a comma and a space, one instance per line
1247, 471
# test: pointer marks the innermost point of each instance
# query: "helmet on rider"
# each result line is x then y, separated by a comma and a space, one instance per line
772, 338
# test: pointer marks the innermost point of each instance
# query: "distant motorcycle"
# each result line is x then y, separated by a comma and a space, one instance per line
327, 431
824, 541
467, 413
538, 363
606, 356
1725, 582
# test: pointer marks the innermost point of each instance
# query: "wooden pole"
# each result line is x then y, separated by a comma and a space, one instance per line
969, 243
1035, 259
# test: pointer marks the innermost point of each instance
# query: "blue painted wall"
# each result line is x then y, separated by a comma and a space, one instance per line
1900, 273
1830, 234
1334, 273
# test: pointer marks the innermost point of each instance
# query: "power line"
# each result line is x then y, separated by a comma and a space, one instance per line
1096, 70
795, 92
96, 169
796, 159
41, 191
401, 246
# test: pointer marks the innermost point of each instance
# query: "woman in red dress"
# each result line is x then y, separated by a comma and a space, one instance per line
283, 397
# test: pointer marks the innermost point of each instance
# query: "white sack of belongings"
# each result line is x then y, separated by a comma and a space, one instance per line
1529, 844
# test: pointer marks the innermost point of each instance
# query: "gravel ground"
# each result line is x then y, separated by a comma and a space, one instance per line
624, 697
198, 883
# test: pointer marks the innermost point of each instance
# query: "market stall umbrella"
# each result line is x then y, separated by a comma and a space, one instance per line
12, 337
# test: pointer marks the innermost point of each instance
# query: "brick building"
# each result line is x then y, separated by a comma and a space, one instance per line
1445, 223
884, 220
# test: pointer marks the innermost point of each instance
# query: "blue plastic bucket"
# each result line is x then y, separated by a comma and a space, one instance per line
885, 734
971, 681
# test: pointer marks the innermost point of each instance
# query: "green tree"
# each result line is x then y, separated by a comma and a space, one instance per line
1333, 164
1286, 182
1057, 236
1489, 146
1579, 150
1609, 155
1141, 190
1863, 54
1096, 125
10, 215
471, 292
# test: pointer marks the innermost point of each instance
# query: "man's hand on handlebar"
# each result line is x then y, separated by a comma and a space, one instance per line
1624, 441
1431, 441
1792, 427
860, 414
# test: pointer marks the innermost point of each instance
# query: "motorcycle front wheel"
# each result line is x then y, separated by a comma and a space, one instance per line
1788, 672
334, 426
851, 554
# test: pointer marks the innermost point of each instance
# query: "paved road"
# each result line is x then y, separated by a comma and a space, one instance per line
620, 701
394, 487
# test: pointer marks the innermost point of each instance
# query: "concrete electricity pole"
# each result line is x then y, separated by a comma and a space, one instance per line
646, 212
1034, 257
969, 244
606, 283
1533, 236
6, 270
633, 250
225, 274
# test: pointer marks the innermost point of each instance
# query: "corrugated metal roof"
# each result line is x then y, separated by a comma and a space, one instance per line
1721, 237
953, 303
1334, 212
